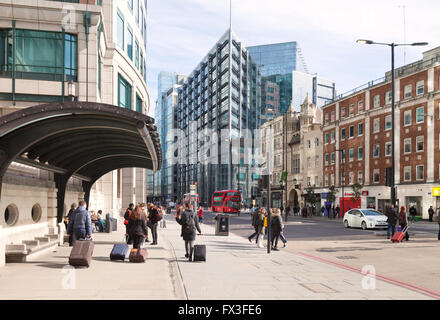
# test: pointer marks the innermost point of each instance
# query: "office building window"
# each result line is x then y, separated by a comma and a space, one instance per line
388, 97
317, 142
343, 178
120, 30
316, 181
388, 148
326, 138
376, 175
360, 153
326, 118
136, 54
376, 150
343, 156
420, 87
376, 125
130, 4
407, 146
360, 177
138, 104
129, 42
332, 116
351, 132
360, 106
332, 179
333, 158
326, 159
420, 111
420, 172
333, 136
360, 129
309, 144
420, 144
343, 134
39, 54
124, 93
351, 109
343, 112
351, 154
407, 118
388, 123
376, 101
350, 178
316, 161
407, 91
326, 180
407, 173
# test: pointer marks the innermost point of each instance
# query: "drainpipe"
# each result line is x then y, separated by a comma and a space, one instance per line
86, 16
13, 61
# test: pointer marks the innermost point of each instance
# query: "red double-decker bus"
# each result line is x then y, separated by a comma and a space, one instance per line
227, 201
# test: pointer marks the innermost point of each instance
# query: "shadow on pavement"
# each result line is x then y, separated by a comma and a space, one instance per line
50, 265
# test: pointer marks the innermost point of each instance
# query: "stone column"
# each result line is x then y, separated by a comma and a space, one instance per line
52, 208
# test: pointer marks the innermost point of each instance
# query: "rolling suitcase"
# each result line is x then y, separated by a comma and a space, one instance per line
399, 235
119, 252
81, 254
199, 252
138, 255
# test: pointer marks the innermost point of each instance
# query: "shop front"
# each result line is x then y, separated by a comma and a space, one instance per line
436, 196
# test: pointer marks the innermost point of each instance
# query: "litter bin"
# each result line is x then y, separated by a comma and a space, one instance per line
222, 225
108, 223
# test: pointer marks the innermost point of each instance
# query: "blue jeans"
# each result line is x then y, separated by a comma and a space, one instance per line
283, 238
80, 234
391, 227
255, 233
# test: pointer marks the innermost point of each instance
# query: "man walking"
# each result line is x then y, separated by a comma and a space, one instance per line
412, 213
127, 215
254, 222
287, 211
81, 224
392, 220
431, 213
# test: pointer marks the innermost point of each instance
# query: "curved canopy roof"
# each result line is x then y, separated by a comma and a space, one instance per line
81, 139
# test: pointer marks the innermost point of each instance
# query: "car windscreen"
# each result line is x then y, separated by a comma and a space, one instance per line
371, 213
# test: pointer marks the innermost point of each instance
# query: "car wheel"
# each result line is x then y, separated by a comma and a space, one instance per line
364, 225
346, 224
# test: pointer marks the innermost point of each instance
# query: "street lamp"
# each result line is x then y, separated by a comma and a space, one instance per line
342, 183
392, 45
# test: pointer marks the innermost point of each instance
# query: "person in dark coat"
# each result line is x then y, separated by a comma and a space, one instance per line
337, 211
431, 213
403, 221
187, 219
287, 212
254, 223
137, 227
392, 220
80, 223
276, 226
412, 212
153, 219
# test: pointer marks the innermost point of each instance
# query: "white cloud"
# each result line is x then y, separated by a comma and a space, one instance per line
181, 32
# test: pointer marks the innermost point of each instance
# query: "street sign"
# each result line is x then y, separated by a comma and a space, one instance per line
192, 189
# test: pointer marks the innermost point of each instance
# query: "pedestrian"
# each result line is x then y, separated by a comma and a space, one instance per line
431, 213
80, 223
403, 221
262, 217
200, 214
254, 223
99, 223
287, 211
66, 223
322, 211
276, 226
137, 227
331, 212
186, 218
281, 209
337, 211
153, 219
127, 215
412, 212
438, 220
392, 220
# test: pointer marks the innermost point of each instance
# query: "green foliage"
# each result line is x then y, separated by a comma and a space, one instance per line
309, 196
331, 196
357, 191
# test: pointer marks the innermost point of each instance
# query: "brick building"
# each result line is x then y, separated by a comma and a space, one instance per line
360, 124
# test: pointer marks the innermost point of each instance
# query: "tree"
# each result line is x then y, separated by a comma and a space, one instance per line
310, 195
331, 195
357, 191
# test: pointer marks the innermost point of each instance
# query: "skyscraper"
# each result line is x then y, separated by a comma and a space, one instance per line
276, 63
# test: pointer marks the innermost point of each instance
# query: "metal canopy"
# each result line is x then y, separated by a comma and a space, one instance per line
81, 139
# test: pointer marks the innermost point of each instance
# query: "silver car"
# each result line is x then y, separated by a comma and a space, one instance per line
365, 219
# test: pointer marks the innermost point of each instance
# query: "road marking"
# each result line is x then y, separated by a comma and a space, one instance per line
409, 286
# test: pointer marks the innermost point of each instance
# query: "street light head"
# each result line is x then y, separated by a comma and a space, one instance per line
419, 44
363, 41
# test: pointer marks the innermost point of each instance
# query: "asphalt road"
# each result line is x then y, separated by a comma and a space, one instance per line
317, 228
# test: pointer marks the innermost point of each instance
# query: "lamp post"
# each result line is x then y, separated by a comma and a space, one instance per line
342, 183
392, 45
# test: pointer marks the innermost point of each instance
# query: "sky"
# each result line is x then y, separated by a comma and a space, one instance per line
181, 32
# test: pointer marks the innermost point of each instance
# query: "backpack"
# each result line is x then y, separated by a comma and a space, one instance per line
189, 224
159, 215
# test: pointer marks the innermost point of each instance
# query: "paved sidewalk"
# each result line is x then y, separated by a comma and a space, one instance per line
235, 269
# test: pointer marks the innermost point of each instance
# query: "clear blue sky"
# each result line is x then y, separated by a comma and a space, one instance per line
181, 32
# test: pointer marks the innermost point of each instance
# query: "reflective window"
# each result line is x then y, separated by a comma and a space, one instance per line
120, 30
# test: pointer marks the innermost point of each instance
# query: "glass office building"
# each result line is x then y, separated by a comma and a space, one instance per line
216, 107
276, 63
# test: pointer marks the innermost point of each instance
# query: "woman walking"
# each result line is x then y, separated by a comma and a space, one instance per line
186, 218
276, 228
403, 221
137, 227
261, 228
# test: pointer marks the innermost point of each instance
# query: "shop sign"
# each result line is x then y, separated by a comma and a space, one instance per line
436, 192
324, 195
365, 193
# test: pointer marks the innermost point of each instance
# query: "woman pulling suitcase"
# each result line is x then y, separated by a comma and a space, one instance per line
186, 218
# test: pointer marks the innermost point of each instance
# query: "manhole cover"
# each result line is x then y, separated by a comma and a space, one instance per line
318, 288
346, 257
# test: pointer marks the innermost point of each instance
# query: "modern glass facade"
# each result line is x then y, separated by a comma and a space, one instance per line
276, 63
38, 54
214, 112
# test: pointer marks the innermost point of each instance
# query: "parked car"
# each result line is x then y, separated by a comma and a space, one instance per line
365, 219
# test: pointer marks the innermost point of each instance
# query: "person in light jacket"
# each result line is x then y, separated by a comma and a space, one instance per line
262, 215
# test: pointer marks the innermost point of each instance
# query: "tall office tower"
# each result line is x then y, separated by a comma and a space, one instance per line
163, 187
276, 63
217, 110
321, 91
